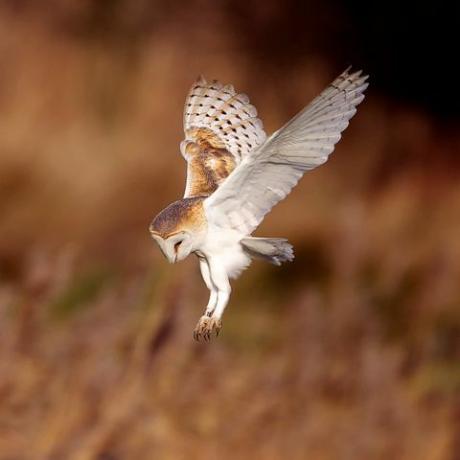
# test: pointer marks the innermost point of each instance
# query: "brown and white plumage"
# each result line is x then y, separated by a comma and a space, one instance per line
221, 129
235, 175
305, 142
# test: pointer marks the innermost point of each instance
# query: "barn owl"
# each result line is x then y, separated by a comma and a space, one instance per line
236, 174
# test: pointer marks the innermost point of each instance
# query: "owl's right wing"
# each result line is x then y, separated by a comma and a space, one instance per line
267, 176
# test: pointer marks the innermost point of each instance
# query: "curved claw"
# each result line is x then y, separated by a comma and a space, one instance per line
206, 328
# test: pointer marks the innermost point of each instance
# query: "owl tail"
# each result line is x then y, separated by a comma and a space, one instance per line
273, 250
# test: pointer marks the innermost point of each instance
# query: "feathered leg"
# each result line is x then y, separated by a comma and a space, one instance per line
220, 280
212, 290
211, 324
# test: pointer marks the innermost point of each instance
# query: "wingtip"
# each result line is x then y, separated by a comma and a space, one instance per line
200, 80
355, 75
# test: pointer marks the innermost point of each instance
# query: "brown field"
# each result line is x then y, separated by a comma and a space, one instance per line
352, 352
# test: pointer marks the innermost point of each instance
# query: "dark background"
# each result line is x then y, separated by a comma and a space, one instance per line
351, 351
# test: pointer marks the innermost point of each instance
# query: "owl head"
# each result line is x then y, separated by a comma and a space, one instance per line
178, 227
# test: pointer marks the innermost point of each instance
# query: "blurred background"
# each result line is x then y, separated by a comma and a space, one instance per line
350, 352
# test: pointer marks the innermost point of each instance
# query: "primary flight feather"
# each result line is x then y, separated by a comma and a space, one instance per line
235, 175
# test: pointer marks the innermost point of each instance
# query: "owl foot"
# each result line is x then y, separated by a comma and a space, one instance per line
206, 328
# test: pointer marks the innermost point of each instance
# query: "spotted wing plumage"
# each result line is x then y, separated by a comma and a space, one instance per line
267, 176
221, 129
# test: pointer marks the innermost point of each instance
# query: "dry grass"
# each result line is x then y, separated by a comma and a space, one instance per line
351, 352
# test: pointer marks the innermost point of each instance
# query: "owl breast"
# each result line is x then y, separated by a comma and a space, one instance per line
224, 247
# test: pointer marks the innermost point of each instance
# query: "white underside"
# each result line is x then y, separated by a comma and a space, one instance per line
223, 246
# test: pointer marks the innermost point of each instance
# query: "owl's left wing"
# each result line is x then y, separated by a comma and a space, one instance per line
221, 129
264, 178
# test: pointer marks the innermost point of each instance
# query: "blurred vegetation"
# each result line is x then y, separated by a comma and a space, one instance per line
350, 352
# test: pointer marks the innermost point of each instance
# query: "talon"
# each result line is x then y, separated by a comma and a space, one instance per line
217, 326
206, 328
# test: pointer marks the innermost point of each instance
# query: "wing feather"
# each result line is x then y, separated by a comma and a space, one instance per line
221, 129
268, 175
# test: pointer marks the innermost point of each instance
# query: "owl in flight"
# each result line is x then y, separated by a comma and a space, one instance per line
236, 174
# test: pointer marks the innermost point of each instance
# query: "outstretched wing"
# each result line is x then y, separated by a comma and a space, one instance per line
221, 129
266, 176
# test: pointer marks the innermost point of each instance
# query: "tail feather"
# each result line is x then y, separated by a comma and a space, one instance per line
273, 250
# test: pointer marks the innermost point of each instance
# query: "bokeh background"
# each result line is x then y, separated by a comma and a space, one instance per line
350, 352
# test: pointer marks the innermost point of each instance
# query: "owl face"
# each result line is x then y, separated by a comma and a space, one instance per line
175, 247
179, 228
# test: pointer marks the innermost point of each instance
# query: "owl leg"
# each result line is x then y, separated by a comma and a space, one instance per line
213, 291
220, 280
208, 325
